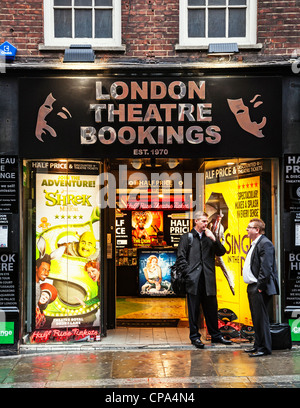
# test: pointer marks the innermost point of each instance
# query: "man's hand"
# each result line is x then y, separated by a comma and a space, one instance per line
209, 234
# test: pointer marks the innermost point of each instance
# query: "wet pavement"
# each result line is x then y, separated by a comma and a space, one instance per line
176, 367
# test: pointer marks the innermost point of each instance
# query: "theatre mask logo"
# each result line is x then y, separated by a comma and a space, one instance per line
243, 117
42, 125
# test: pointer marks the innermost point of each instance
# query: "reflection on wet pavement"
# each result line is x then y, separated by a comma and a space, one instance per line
152, 368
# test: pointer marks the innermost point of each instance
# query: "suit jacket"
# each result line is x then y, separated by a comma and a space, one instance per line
193, 264
263, 266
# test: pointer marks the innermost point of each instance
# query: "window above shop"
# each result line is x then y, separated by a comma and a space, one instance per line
94, 22
203, 22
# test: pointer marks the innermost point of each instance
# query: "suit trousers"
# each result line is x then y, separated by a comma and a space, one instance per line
210, 310
258, 302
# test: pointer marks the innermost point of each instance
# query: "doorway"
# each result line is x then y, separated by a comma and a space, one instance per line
160, 195
153, 211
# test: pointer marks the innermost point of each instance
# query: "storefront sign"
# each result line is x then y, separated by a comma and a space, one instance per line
150, 117
9, 294
8, 184
292, 182
292, 280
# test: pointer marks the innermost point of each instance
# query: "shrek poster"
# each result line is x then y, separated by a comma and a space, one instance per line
231, 201
67, 250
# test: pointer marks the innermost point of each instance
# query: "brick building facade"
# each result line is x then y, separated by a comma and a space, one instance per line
173, 84
150, 32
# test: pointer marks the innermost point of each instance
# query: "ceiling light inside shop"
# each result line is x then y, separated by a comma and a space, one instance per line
136, 163
153, 163
172, 163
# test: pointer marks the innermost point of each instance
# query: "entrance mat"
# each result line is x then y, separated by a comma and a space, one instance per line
147, 322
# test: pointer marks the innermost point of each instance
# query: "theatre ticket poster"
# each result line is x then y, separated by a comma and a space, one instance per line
155, 273
230, 203
67, 269
145, 226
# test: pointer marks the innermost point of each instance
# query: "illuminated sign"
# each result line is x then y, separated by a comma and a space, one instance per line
147, 117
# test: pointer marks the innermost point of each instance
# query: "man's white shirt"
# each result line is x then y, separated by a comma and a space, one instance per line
247, 273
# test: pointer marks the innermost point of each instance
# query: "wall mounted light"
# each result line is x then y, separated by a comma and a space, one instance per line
79, 53
222, 48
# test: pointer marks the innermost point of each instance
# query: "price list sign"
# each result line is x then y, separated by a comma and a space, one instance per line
8, 184
292, 182
9, 282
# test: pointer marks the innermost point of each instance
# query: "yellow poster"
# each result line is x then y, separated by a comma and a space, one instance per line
230, 205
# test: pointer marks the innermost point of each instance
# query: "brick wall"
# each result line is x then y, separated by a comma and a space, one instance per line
279, 26
150, 28
21, 23
150, 31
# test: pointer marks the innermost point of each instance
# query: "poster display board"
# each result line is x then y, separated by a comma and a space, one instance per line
9, 252
145, 226
9, 184
292, 279
231, 201
292, 182
154, 272
67, 271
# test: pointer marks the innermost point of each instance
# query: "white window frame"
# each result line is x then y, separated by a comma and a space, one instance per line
51, 41
251, 27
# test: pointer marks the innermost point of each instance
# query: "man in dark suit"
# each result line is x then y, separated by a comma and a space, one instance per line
260, 273
198, 263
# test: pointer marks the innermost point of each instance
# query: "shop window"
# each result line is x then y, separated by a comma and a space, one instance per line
95, 22
62, 250
217, 21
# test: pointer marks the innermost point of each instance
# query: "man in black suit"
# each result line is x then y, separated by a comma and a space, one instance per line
198, 263
260, 273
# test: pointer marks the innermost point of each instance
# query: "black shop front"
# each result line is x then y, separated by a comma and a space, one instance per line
114, 168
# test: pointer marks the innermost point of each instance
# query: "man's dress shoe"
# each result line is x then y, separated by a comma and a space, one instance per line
250, 350
258, 354
222, 341
198, 343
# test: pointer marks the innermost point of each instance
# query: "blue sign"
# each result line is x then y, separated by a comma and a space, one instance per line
8, 50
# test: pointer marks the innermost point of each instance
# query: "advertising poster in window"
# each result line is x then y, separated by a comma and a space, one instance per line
145, 226
67, 251
230, 205
155, 273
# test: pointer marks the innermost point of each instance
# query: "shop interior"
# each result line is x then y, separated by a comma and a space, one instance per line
144, 228
237, 189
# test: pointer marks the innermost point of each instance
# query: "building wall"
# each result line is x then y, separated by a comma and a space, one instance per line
150, 31
278, 27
